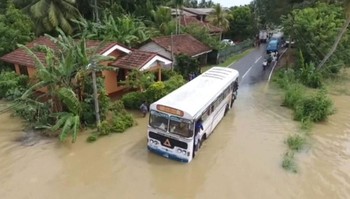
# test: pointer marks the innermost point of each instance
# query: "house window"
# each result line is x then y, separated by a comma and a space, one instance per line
121, 76
23, 70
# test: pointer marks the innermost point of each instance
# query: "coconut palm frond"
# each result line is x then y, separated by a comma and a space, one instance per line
52, 15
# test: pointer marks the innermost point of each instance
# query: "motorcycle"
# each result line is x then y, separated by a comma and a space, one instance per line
265, 64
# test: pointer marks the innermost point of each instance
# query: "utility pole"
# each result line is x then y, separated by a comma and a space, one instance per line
172, 52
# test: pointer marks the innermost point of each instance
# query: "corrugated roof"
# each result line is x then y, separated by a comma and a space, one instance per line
184, 43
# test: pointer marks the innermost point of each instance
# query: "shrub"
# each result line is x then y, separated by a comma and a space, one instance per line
117, 106
285, 77
155, 92
167, 74
121, 122
293, 94
296, 142
133, 100
173, 83
289, 162
310, 76
105, 128
35, 113
12, 85
316, 108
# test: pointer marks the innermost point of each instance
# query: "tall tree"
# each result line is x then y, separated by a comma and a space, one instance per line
242, 23
340, 35
220, 18
163, 20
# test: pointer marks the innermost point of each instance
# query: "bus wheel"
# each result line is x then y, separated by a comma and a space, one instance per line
226, 109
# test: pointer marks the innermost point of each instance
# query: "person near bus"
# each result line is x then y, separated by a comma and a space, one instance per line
144, 108
197, 129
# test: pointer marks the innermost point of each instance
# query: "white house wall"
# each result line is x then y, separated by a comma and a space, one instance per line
153, 47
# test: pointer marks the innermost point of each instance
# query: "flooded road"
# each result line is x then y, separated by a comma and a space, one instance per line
241, 159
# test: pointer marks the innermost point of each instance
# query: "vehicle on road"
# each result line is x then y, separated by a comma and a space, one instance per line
273, 46
263, 36
173, 118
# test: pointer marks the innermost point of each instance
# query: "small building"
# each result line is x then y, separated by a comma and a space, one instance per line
25, 64
198, 17
170, 46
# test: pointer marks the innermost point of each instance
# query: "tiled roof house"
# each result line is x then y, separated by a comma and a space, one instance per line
24, 63
167, 46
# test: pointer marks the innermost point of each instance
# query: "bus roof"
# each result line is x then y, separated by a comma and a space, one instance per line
193, 97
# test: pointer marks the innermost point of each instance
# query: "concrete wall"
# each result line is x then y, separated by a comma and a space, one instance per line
153, 47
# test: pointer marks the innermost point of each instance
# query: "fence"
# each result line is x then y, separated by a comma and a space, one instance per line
229, 51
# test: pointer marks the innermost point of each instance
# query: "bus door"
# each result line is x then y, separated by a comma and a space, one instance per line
207, 121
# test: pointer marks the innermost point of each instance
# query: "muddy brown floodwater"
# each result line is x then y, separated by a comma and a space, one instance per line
242, 159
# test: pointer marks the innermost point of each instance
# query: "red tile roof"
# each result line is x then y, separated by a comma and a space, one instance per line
187, 21
21, 57
185, 44
134, 60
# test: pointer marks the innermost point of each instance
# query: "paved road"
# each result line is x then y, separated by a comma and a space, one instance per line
250, 67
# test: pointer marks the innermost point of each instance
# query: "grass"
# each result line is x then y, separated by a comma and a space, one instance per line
230, 60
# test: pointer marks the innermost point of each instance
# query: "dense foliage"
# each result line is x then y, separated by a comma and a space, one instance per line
15, 27
153, 92
315, 29
12, 86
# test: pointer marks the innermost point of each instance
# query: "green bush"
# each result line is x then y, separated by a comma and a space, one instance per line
117, 106
12, 85
285, 77
133, 100
167, 74
35, 113
173, 83
310, 76
292, 95
121, 122
316, 108
296, 142
289, 162
105, 128
155, 92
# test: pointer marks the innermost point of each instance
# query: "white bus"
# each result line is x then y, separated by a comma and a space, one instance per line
172, 120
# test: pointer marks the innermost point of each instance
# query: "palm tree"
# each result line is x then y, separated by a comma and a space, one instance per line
220, 18
162, 20
50, 14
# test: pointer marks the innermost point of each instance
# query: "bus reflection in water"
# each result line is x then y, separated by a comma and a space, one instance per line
172, 118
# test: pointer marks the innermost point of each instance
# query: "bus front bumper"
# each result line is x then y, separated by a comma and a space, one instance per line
167, 155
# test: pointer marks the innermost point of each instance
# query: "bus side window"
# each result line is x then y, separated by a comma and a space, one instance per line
205, 115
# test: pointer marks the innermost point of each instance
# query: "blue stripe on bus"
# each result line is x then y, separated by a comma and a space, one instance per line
167, 155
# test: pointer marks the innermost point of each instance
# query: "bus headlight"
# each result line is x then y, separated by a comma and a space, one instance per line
153, 142
182, 151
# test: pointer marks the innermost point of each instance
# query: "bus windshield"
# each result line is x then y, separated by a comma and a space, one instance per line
159, 120
180, 126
